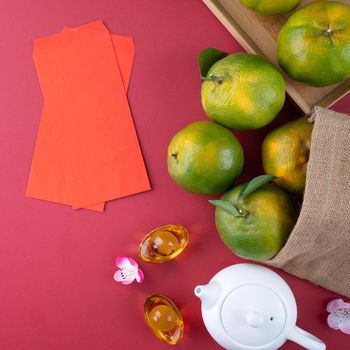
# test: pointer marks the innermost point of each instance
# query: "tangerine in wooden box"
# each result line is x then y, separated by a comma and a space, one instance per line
258, 34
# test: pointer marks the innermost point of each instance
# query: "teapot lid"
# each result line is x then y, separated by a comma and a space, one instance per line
253, 315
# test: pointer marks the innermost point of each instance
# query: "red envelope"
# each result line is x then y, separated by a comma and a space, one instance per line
87, 150
46, 180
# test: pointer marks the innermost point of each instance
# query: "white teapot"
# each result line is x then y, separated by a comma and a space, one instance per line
247, 306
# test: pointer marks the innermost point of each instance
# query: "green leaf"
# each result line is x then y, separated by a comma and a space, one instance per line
207, 58
227, 206
254, 184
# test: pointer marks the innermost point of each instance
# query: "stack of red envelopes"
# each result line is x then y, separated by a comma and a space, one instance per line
87, 151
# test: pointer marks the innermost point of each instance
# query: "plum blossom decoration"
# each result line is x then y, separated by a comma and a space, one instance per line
128, 271
339, 317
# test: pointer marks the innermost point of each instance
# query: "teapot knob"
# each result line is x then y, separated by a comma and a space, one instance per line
255, 319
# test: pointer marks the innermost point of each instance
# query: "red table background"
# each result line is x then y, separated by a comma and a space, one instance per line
56, 264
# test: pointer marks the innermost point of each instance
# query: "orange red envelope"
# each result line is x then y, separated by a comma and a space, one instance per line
87, 151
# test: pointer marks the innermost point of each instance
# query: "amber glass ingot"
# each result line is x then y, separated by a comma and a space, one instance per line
163, 244
164, 319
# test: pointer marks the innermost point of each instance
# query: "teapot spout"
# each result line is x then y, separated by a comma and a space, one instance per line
209, 294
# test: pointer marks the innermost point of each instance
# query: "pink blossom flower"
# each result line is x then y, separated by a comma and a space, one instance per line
339, 317
128, 271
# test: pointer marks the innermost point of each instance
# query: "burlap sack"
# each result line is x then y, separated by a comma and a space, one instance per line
318, 249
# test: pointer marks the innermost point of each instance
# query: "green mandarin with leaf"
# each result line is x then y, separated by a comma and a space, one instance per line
255, 219
240, 91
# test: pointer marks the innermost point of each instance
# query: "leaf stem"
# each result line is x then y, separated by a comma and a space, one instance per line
243, 212
215, 78
230, 208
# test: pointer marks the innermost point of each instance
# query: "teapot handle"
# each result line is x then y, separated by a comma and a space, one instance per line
305, 339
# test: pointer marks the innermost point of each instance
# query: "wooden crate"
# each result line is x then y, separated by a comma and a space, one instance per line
258, 34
